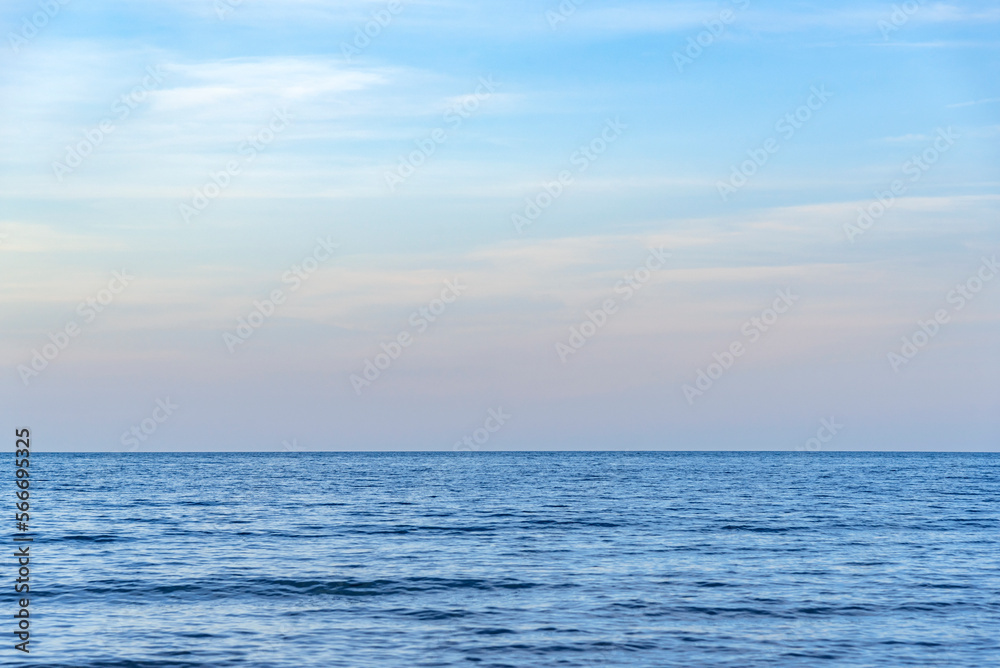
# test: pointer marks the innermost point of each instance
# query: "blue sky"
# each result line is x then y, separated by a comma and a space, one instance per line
894, 83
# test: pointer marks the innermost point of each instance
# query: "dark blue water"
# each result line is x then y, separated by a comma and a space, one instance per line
516, 559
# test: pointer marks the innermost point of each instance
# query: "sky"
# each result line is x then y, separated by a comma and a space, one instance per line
305, 225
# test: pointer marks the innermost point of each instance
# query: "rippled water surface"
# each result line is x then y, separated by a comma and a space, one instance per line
516, 559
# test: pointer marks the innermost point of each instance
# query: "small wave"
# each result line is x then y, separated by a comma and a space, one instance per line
753, 529
233, 587
431, 615
92, 538
847, 610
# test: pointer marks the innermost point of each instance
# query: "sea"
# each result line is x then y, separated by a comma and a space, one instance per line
512, 559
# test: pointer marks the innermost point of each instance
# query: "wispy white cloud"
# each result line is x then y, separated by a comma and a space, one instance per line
974, 102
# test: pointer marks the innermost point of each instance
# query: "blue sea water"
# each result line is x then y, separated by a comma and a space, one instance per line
514, 559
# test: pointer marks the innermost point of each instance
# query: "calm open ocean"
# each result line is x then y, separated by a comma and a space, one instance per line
514, 559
